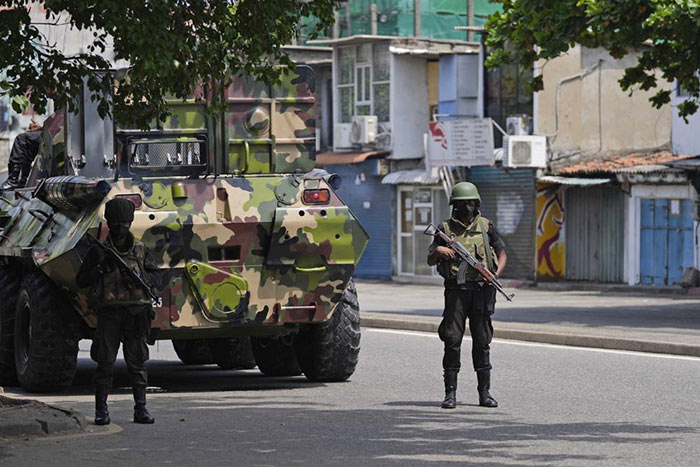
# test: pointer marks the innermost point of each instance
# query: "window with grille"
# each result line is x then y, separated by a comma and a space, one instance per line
180, 155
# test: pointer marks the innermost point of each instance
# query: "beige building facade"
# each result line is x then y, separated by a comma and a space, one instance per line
586, 115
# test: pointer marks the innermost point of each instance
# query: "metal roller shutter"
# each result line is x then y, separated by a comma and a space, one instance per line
377, 219
508, 200
595, 230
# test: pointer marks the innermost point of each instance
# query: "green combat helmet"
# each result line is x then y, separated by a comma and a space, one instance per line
464, 191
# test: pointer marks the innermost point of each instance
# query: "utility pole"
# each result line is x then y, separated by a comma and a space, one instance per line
347, 19
416, 18
470, 20
336, 24
373, 15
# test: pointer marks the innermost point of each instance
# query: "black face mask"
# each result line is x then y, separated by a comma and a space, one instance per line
464, 210
118, 232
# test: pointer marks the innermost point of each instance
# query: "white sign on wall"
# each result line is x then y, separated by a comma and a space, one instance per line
466, 142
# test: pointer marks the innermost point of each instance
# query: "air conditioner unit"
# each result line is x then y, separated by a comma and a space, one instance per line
518, 125
525, 151
364, 129
341, 136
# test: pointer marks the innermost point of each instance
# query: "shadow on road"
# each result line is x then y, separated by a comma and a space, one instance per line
174, 377
258, 431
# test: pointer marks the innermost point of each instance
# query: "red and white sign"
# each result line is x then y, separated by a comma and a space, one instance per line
466, 142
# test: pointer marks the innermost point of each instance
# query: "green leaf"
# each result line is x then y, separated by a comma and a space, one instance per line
20, 104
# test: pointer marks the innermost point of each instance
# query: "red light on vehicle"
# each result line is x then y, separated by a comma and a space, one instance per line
322, 196
134, 198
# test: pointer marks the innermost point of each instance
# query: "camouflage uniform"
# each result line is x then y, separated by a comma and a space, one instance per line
468, 300
471, 299
124, 311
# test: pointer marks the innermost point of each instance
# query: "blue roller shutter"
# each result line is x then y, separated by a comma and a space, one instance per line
378, 219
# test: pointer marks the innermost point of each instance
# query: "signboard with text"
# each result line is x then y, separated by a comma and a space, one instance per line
466, 142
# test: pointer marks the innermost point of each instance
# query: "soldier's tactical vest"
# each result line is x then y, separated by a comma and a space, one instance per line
475, 239
114, 290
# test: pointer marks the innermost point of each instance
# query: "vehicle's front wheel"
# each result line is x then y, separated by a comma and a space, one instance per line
45, 336
10, 280
276, 357
193, 351
329, 351
232, 353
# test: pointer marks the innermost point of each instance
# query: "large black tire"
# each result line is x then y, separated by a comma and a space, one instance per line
329, 352
193, 351
234, 353
46, 336
10, 281
276, 357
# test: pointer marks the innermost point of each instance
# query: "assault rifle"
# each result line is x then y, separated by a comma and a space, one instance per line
467, 260
126, 269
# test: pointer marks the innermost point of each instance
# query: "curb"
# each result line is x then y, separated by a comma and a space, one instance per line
31, 418
553, 286
557, 338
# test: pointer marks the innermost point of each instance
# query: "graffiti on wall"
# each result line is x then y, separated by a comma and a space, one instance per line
551, 245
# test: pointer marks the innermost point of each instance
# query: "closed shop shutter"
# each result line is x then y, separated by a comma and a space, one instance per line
373, 204
595, 230
508, 200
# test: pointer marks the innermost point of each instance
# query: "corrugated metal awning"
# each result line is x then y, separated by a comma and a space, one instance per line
573, 181
644, 169
411, 177
692, 163
335, 158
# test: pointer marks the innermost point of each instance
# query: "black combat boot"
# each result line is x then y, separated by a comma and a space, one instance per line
484, 384
141, 414
101, 409
450, 401
13, 175
24, 175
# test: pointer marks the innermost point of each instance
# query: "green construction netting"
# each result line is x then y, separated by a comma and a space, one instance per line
395, 18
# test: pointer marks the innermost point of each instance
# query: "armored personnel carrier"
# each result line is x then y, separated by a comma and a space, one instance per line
256, 248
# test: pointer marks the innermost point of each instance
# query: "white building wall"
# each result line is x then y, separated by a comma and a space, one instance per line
409, 113
684, 136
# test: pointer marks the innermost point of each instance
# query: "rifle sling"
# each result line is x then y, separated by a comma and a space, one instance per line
484, 225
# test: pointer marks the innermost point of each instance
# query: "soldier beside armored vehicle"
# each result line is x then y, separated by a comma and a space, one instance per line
256, 248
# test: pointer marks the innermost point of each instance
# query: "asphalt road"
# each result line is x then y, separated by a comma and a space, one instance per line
559, 406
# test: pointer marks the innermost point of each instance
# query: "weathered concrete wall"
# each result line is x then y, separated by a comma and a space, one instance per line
596, 117
409, 112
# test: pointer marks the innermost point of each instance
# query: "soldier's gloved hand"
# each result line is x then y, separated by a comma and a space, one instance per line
445, 253
92, 258
108, 264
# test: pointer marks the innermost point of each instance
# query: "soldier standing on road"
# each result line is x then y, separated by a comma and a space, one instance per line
472, 299
124, 309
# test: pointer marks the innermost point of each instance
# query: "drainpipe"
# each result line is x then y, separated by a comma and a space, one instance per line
563, 81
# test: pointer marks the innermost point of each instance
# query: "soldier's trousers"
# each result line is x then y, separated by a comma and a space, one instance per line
476, 305
129, 326
24, 149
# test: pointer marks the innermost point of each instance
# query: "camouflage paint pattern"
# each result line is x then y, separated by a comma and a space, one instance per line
238, 246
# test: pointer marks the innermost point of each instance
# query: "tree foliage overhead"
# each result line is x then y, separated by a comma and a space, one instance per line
666, 32
170, 46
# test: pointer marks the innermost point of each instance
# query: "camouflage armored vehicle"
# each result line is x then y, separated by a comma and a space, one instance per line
257, 249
